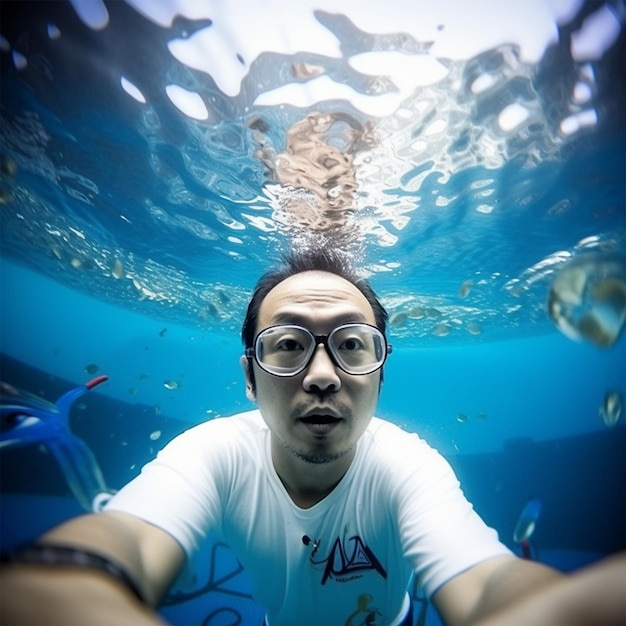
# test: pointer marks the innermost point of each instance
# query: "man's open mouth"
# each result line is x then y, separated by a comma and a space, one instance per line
319, 419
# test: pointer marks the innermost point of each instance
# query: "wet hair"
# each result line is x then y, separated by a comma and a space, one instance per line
309, 260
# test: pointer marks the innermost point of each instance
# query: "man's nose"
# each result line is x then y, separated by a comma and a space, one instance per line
321, 373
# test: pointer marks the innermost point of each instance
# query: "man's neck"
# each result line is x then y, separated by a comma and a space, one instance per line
308, 483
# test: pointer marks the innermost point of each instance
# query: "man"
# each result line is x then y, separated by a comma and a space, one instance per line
330, 510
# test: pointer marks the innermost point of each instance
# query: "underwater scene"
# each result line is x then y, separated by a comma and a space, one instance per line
158, 156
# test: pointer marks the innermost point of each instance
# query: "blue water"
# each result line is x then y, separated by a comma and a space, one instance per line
132, 234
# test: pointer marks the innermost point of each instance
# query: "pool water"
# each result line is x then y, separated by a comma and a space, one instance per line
157, 157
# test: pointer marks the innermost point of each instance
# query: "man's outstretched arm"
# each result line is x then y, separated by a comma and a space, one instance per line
70, 594
507, 591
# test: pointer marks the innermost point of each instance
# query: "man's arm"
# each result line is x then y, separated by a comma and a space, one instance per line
489, 586
43, 594
593, 596
507, 591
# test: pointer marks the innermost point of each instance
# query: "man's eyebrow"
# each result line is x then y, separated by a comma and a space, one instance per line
287, 317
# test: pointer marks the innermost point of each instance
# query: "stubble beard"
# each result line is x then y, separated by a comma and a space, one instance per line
316, 458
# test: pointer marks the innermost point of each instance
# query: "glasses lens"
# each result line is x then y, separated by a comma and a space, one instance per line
284, 350
358, 348
287, 350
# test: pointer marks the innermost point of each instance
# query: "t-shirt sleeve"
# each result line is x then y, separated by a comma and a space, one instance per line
441, 533
179, 491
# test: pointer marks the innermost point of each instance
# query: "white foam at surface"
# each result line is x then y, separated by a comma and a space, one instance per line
53, 31
599, 31
204, 45
19, 60
574, 123
512, 116
247, 28
323, 88
163, 12
407, 71
582, 93
93, 13
189, 102
132, 90
482, 83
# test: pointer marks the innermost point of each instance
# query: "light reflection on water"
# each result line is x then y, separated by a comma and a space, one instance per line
495, 161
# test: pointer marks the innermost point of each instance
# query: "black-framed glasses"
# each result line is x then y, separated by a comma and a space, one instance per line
286, 350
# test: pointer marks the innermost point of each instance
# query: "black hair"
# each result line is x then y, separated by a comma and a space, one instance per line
310, 259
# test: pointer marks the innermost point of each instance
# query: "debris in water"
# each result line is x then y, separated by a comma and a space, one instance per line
398, 319
587, 298
118, 269
473, 328
465, 288
441, 330
611, 408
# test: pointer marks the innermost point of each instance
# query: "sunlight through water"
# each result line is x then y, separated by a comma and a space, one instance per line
199, 144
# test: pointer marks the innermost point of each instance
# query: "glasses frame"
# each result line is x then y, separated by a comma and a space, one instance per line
251, 352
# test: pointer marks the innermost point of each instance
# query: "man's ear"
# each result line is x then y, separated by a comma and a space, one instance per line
246, 365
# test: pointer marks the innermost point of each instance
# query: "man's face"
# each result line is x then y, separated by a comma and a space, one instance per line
319, 414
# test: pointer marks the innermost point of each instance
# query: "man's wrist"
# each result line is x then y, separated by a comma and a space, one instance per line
54, 555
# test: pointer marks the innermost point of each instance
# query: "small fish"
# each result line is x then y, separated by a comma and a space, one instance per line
473, 328
398, 319
416, 313
209, 311
162, 332
441, 330
92, 368
155, 435
462, 417
172, 384
611, 408
465, 288
527, 521
8, 167
223, 297
6, 195
117, 270
57, 252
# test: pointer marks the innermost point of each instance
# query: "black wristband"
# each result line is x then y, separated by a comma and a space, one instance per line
51, 554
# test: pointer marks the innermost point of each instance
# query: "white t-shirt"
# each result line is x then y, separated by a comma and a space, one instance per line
397, 510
